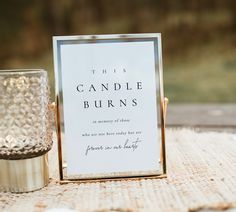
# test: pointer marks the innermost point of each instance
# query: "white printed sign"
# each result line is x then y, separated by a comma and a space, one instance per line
109, 96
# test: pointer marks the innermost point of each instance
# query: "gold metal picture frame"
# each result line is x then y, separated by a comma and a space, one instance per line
161, 104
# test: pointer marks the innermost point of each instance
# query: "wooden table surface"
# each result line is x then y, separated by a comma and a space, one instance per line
220, 117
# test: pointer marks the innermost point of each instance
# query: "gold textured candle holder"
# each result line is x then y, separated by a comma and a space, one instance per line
25, 130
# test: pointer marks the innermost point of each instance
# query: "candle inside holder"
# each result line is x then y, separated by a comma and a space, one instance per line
26, 124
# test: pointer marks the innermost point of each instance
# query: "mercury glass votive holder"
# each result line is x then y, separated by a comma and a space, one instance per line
25, 130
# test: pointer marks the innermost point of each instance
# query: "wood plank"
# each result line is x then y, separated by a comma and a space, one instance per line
202, 115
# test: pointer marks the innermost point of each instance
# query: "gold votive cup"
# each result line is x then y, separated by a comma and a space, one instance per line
25, 129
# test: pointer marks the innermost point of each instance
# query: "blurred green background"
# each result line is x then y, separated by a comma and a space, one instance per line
199, 38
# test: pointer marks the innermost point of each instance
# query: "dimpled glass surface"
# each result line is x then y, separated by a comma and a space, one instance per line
25, 117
